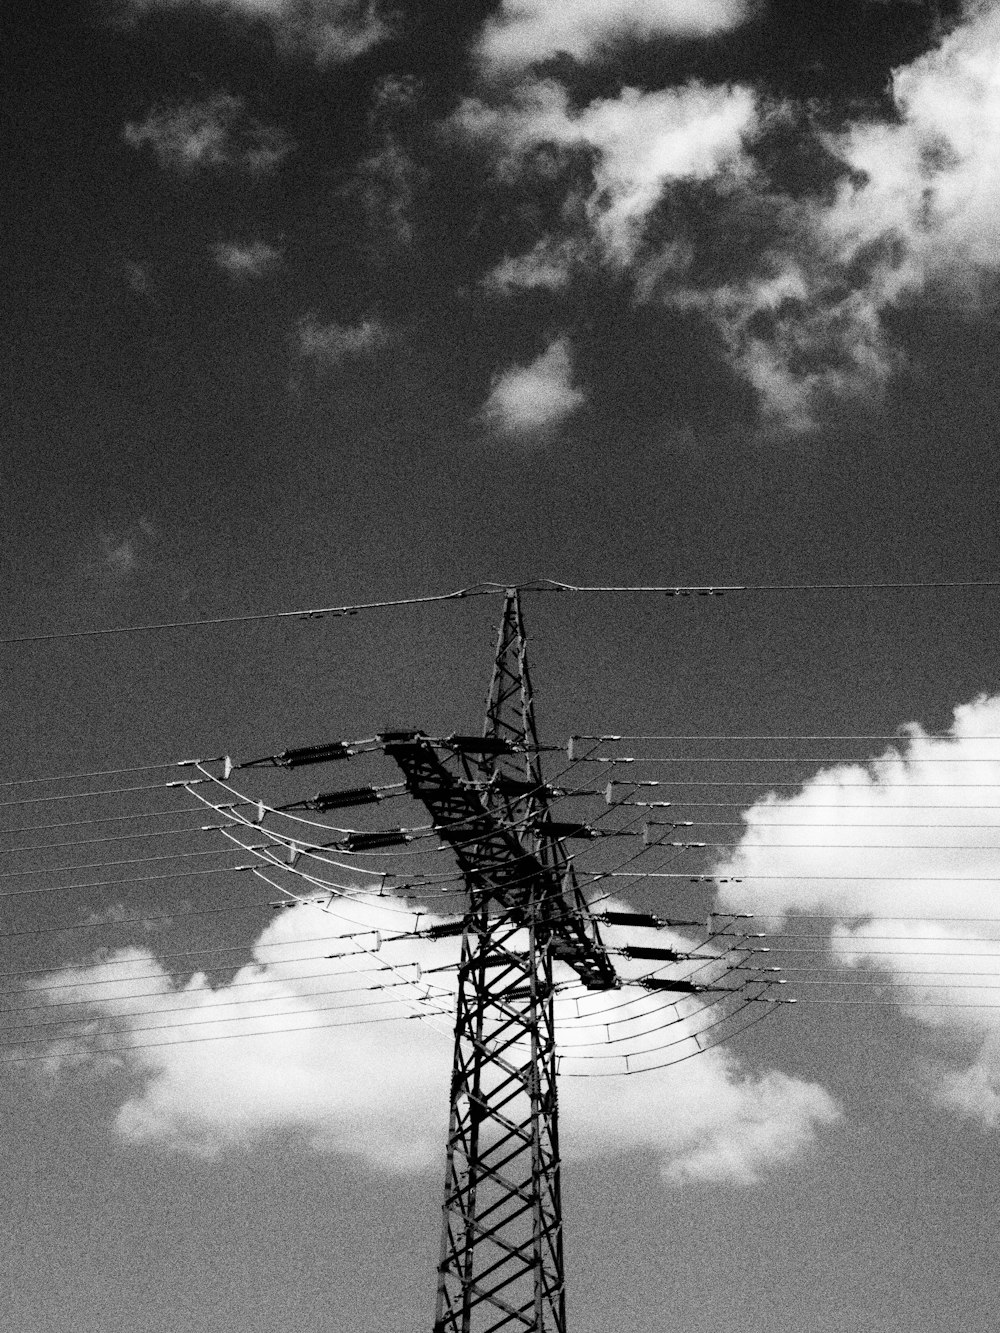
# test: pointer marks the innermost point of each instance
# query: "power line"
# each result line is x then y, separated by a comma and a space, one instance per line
197, 997
718, 589
741, 876
915, 760
104, 883
104, 772
187, 1041
127, 861
491, 589
862, 939
117, 819
157, 833
184, 953
768, 736
115, 923
105, 791
880, 916
308, 613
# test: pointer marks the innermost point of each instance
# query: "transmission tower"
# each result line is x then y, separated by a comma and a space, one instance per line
501, 1267
501, 1262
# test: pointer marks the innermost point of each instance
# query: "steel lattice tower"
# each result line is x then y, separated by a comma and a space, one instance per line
501, 1268
502, 1247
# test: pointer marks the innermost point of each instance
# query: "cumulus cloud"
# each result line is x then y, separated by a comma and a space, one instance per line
217, 133
243, 261
925, 928
377, 1090
532, 399
331, 30
327, 346
526, 31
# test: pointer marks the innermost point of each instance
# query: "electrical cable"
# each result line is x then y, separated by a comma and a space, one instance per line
826, 736
743, 876
100, 773
906, 939
188, 1041
48, 987
759, 1017
126, 861
310, 613
117, 837
580, 1051
491, 588
248, 824
718, 589
793, 824
879, 916
107, 819
916, 760
136, 879
116, 923
105, 791
289, 999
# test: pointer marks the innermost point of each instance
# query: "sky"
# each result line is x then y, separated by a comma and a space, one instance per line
321, 302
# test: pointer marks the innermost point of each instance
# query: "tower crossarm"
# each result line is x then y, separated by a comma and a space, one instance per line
497, 865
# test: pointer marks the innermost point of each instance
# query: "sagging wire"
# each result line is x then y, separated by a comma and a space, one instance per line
310, 613
101, 773
325, 907
110, 819
135, 879
287, 1000
583, 1051
898, 736
311, 852
108, 791
758, 1017
242, 1036
195, 953
90, 1003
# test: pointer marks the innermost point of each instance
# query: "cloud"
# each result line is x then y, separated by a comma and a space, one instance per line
800, 336
638, 142
529, 400
931, 179
385, 181
547, 266
119, 554
215, 134
242, 261
327, 346
326, 1071
682, 191
925, 929
916, 214
524, 32
333, 31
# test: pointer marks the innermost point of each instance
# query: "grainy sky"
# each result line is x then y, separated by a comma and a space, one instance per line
325, 302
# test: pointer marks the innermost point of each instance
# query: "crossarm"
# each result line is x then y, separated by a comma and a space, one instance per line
495, 862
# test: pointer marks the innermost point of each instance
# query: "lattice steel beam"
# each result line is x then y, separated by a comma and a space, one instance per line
501, 1268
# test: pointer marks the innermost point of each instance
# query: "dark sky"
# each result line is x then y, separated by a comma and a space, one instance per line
311, 304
